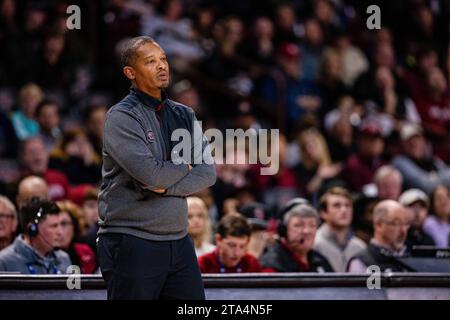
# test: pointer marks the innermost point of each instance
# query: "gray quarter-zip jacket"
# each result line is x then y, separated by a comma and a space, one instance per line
137, 158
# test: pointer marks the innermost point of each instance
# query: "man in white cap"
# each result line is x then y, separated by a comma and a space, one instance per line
419, 168
416, 203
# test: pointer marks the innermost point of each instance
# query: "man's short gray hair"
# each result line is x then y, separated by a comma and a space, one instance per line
302, 211
385, 171
130, 48
382, 209
8, 205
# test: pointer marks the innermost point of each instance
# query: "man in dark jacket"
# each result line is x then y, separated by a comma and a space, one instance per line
144, 250
294, 253
391, 224
416, 203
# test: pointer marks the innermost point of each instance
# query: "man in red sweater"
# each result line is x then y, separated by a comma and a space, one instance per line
230, 256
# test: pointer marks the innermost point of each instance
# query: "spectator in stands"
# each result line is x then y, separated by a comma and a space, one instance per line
437, 225
230, 177
77, 158
232, 237
34, 251
339, 130
8, 222
9, 26
261, 48
30, 40
199, 226
94, 118
391, 223
286, 26
361, 166
434, 109
245, 117
72, 225
311, 49
207, 196
75, 45
274, 190
23, 119
326, 14
335, 239
302, 95
203, 25
425, 27
388, 181
315, 167
258, 218
47, 116
387, 185
173, 31
294, 253
354, 62
225, 63
416, 203
384, 56
390, 99
363, 205
29, 187
89, 206
186, 93
8, 139
415, 80
52, 61
419, 168
34, 159
330, 84
239, 197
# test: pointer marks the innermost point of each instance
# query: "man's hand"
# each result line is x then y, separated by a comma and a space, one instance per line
160, 191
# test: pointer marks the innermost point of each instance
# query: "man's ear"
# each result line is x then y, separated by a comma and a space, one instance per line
377, 223
129, 72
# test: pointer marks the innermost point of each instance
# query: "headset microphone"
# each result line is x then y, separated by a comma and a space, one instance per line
33, 229
47, 242
282, 228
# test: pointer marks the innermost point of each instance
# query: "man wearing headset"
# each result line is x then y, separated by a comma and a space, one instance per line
293, 252
35, 251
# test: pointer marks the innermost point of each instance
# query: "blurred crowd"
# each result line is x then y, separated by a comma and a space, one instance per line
364, 119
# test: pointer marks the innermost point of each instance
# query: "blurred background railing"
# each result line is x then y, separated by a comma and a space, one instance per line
287, 286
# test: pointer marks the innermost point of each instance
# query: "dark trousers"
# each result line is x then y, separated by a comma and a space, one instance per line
134, 268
